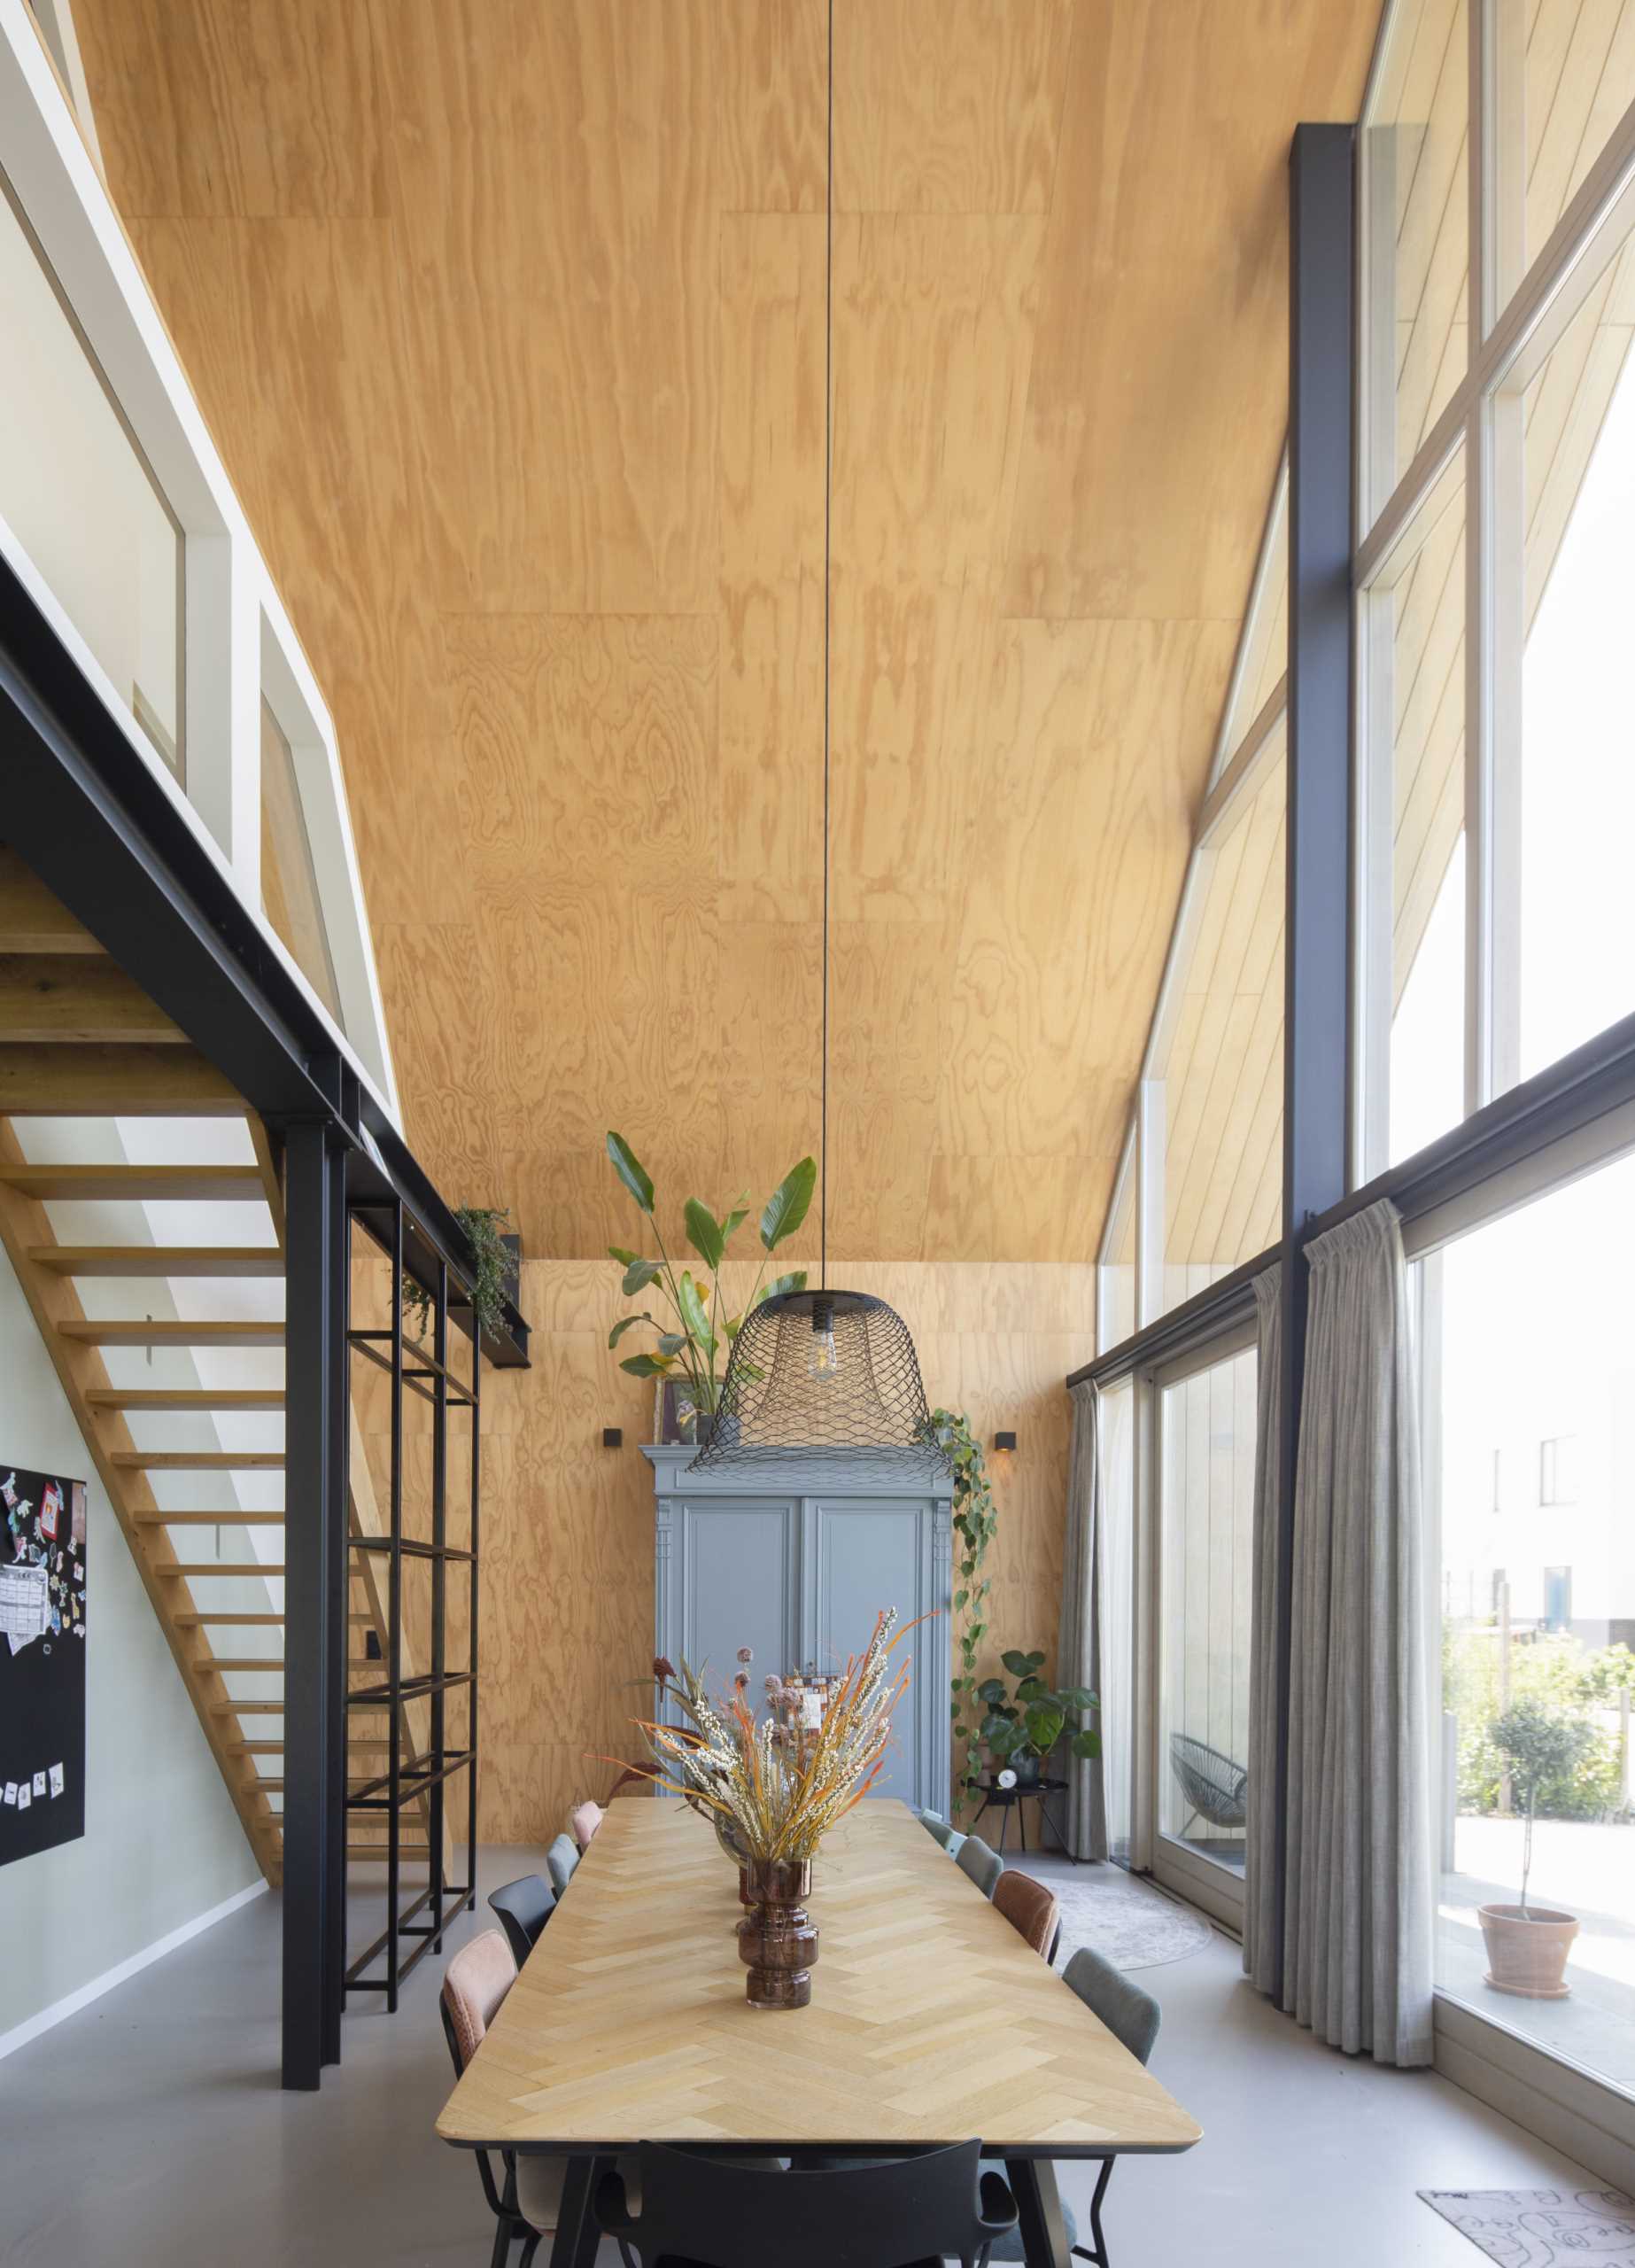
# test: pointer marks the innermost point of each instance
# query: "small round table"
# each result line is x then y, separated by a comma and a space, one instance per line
1010, 1799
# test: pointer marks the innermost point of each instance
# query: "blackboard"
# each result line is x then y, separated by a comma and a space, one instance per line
43, 1642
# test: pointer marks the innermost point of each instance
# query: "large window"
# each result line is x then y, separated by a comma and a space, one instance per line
1529, 1351
1205, 1455
1116, 1435
1218, 1046
290, 891
1496, 564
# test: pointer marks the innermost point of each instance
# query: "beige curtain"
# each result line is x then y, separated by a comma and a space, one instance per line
1079, 1637
1357, 1947
1260, 1832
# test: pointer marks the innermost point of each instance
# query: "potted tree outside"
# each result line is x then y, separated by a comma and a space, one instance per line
1527, 1945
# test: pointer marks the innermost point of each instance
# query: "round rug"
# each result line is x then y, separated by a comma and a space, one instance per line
1129, 1925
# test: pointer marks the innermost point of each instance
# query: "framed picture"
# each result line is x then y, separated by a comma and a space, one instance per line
42, 1625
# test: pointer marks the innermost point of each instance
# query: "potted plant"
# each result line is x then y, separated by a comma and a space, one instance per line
1022, 1726
695, 1348
1527, 1946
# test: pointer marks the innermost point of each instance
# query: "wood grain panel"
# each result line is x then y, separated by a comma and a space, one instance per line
509, 318
952, 109
568, 1525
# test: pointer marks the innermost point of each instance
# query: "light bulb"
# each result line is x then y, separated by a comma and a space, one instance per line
823, 1363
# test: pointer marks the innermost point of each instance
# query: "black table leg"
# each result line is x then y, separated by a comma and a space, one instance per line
577, 2235
1021, 1824
1039, 2212
1004, 1827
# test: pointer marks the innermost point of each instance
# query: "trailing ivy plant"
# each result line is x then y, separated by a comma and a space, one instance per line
975, 1520
485, 1233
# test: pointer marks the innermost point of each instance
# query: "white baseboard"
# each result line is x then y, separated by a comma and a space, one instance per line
31, 2027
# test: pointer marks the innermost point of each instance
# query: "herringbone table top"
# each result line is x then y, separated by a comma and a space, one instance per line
930, 2020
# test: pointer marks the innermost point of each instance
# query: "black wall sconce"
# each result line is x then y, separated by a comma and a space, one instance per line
613, 1437
1004, 1441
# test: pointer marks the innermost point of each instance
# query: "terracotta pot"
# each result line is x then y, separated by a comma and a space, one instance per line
1527, 1950
777, 1939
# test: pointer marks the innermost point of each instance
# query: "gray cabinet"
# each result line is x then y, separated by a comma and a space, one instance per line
797, 1569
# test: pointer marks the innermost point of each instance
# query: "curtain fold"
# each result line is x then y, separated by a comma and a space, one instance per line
1078, 1636
1356, 1941
1260, 1829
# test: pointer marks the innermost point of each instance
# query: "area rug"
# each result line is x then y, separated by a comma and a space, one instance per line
1543, 2228
1128, 1924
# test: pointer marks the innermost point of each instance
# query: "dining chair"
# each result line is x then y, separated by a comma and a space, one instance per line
982, 1864
583, 1822
911, 2212
526, 2198
1031, 1909
525, 1907
941, 1831
560, 1861
1132, 2016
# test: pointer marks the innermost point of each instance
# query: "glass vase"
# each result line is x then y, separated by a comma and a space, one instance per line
777, 1939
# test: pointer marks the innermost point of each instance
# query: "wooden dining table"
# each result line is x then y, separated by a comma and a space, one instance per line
930, 2021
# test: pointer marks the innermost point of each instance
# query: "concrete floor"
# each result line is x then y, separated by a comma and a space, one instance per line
148, 2131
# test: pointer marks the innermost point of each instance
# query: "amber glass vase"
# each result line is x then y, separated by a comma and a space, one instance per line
777, 1939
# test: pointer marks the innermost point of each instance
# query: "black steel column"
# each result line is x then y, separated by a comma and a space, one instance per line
314, 1847
1317, 939
439, 1599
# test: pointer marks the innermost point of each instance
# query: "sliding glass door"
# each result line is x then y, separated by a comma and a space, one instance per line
1528, 1408
1203, 1418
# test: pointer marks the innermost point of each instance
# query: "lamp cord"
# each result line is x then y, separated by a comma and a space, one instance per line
828, 507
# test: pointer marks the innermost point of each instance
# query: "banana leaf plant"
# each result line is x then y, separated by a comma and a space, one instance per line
695, 1341
1023, 1726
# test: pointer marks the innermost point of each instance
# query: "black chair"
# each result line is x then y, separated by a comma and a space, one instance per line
706, 2212
525, 1907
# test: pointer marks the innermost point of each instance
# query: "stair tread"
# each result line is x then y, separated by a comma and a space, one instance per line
193, 1621
192, 1184
198, 1460
114, 1397
144, 1333
192, 1569
143, 1260
234, 1517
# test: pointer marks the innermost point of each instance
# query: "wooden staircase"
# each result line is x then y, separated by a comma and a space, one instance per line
79, 1041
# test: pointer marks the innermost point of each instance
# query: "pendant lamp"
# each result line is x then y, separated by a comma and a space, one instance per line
829, 1375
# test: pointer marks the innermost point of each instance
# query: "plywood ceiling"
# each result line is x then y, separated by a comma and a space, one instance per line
508, 316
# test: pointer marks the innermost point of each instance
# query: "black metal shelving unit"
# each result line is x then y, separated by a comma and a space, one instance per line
429, 1776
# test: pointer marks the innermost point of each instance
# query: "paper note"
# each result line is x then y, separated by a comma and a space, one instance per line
56, 1779
39, 1783
10, 1791
25, 1604
24, 1795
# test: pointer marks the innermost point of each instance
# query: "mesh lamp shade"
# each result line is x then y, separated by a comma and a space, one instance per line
828, 1377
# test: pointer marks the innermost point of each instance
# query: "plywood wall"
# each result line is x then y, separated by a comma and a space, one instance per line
566, 1585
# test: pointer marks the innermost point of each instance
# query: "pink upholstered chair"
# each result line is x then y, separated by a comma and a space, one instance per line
582, 1820
527, 2198
1030, 1908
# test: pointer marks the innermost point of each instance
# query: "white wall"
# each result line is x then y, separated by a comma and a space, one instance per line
162, 1846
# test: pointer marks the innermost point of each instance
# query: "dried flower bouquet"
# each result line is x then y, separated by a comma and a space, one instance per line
776, 1798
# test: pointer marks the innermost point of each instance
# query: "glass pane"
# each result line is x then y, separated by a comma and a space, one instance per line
1207, 1505
289, 882
67, 465
1117, 1438
1530, 1381
1416, 192
1416, 662
1118, 1272
1577, 778
1565, 76
1265, 634
1222, 1061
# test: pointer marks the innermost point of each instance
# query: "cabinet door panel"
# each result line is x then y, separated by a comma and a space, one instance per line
741, 1587
873, 1555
